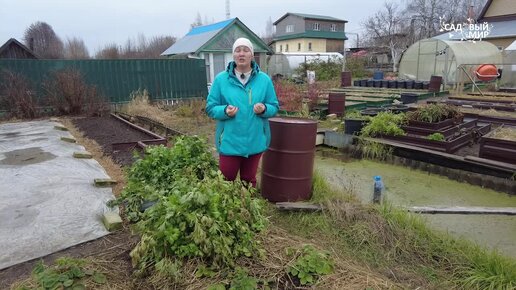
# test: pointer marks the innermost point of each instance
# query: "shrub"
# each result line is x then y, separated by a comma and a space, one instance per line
357, 67
17, 95
68, 93
324, 70
289, 95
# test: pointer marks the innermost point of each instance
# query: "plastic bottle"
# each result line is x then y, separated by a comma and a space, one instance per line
378, 188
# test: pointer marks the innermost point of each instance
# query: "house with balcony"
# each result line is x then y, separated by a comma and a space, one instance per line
301, 33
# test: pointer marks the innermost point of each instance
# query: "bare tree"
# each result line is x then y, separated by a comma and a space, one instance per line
269, 31
424, 15
387, 29
158, 44
75, 48
110, 51
41, 39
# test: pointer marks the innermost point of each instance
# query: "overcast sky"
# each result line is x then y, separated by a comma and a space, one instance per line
101, 22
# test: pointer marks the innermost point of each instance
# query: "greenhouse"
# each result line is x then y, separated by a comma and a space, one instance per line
508, 80
455, 61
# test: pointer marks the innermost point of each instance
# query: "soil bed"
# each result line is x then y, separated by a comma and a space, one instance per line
106, 131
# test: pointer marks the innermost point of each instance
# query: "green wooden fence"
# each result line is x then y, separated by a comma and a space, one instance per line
116, 79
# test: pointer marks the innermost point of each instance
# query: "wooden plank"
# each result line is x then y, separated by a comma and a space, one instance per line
298, 206
463, 210
494, 163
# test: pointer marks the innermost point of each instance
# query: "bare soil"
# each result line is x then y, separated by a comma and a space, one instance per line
106, 131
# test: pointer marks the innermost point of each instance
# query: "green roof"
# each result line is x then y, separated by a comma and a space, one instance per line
314, 34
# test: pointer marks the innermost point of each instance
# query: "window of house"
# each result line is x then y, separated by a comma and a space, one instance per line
315, 26
286, 47
280, 48
290, 28
309, 46
298, 46
333, 27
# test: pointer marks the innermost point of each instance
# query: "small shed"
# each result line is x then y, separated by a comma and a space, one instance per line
429, 57
508, 80
214, 44
13, 49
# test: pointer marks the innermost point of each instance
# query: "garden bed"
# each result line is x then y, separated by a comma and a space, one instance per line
498, 149
449, 146
446, 131
107, 131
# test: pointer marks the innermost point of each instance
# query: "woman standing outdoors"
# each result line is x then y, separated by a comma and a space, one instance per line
241, 100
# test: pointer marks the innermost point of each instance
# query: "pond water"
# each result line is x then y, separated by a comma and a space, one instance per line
409, 187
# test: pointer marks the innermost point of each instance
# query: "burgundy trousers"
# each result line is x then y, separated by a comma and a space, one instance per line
230, 165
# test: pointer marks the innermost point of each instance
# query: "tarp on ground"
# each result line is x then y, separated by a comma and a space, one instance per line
47, 198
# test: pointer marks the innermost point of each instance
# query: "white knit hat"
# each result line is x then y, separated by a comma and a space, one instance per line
243, 42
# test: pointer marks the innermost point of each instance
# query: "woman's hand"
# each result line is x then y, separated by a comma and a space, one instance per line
259, 108
231, 110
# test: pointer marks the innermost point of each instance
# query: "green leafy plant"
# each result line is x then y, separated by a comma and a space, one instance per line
433, 113
384, 123
242, 281
310, 265
435, 137
67, 273
196, 212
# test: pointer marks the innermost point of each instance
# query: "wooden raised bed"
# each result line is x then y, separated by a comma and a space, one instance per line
443, 146
497, 149
432, 126
447, 131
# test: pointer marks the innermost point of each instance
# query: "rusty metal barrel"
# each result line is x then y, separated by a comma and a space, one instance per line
345, 79
336, 103
435, 84
287, 166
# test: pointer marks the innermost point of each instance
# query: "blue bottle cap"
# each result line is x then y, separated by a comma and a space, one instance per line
377, 178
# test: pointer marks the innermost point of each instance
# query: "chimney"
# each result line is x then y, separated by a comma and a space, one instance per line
31, 44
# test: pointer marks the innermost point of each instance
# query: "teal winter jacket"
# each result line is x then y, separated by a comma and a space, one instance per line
245, 133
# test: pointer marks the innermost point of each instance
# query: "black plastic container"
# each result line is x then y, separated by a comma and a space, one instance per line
418, 85
400, 84
385, 83
353, 126
392, 84
408, 98
409, 84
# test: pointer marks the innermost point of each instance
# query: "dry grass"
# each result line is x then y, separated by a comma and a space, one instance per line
505, 133
489, 112
112, 169
273, 267
187, 117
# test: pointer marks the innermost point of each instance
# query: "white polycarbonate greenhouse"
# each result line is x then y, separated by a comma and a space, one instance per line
448, 59
508, 80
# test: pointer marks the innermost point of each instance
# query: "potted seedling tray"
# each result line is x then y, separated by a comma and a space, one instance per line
494, 147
